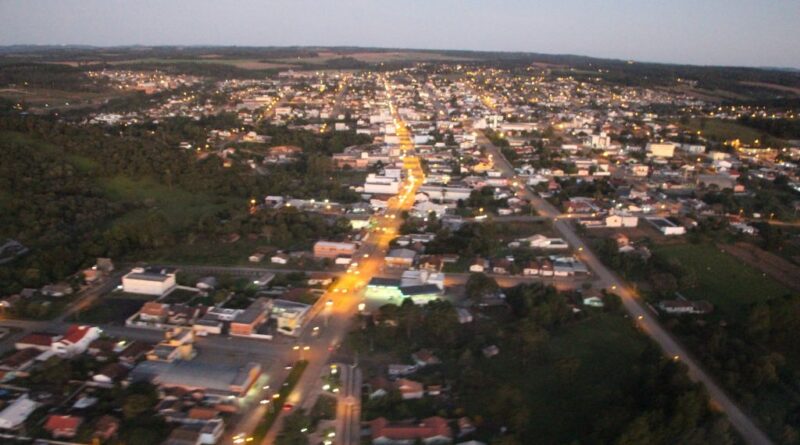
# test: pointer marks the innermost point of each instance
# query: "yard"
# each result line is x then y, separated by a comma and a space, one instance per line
723, 280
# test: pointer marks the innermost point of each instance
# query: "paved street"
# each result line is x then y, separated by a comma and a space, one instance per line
647, 321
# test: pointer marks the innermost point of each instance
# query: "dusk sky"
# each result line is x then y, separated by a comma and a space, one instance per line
707, 32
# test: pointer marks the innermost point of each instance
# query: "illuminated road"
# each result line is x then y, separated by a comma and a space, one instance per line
646, 320
341, 303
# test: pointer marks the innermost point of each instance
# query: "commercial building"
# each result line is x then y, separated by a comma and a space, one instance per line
381, 185
332, 249
215, 380
149, 281
247, 321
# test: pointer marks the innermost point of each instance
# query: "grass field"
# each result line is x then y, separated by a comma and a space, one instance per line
728, 130
181, 207
563, 404
114, 307
721, 279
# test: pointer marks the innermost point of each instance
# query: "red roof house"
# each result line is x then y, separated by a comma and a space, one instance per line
62, 426
432, 429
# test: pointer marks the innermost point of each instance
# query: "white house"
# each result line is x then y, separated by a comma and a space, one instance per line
76, 340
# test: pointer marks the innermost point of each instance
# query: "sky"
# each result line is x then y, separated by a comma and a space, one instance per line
703, 32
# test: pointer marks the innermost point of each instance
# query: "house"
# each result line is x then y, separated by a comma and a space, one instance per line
279, 258
464, 316
20, 360
256, 257
685, 307
531, 268
37, 340
540, 241
76, 340
410, 389
154, 312
133, 352
15, 413
400, 258
396, 370
62, 427
621, 221
105, 428
379, 387
102, 348
501, 266
424, 357
490, 351
478, 265
149, 281
206, 283
111, 373
430, 431
57, 290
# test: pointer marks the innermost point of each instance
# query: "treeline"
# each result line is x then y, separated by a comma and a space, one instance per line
48, 75
51, 207
782, 128
753, 359
327, 143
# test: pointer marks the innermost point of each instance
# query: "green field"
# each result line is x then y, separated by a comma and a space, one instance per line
721, 279
179, 206
723, 130
563, 403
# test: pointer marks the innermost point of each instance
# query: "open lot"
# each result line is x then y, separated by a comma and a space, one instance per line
723, 280
114, 308
179, 206
728, 130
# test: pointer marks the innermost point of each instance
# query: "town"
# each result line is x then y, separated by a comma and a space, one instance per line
373, 254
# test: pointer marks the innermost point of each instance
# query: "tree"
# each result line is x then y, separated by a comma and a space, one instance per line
135, 405
479, 286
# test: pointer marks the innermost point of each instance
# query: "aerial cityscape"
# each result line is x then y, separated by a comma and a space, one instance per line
318, 232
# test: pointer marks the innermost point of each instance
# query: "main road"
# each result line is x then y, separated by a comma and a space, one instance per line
342, 301
646, 320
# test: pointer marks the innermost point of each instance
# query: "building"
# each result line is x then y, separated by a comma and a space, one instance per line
666, 227
149, 281
247, 321
381, 185
13, 416
685, 307
400, 258
661, 150
37, 340
63, 427
217, 380
289, 315
430, 431
76, 341
332, 249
